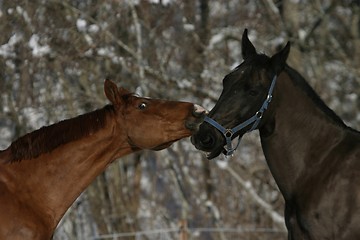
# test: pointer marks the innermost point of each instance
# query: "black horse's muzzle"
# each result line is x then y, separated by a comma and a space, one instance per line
208, 139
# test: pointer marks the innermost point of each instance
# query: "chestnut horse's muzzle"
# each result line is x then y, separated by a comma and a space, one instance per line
197, 117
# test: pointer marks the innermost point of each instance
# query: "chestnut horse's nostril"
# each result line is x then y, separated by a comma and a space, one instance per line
199, 109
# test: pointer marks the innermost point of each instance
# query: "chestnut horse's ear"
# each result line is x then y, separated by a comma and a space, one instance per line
278, 61
247, 48
112, 93
123, 91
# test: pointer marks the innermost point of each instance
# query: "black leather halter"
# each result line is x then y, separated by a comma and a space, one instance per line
254, 120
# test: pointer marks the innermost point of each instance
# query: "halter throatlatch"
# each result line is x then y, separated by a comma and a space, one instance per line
254, 120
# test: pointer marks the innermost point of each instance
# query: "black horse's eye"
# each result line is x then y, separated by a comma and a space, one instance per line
142, 106
253, 92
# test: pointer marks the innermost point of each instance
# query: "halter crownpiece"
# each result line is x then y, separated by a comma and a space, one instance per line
255, 119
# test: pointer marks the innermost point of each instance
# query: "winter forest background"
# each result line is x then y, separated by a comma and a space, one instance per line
55, 54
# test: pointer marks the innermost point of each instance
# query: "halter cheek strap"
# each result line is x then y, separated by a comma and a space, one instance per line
254, 120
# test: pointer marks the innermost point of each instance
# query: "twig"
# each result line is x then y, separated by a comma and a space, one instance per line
279, 220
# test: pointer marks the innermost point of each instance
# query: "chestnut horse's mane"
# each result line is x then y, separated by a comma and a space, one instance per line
48, 138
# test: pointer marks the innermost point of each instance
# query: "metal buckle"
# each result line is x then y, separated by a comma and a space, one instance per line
259, 114
228, 133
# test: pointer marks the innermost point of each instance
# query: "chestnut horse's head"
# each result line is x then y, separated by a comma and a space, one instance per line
247, 92
153, 123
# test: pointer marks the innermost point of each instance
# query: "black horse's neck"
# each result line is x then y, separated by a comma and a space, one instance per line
301, 83
304, 132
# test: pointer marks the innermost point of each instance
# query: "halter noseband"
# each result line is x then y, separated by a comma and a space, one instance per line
228, 133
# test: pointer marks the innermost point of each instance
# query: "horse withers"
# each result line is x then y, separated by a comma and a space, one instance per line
313, 156
43, 172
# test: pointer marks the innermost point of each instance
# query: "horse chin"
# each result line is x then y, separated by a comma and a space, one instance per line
215, 152
220, 149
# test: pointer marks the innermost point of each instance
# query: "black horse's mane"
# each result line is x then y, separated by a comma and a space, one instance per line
299, 81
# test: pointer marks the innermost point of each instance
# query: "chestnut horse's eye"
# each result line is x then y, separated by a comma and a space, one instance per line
142, 106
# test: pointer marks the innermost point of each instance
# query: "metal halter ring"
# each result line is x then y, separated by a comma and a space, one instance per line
259, 114
228, 133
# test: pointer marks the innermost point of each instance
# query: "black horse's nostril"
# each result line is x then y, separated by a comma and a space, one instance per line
207, 141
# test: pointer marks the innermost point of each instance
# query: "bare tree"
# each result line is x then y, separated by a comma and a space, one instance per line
54, 56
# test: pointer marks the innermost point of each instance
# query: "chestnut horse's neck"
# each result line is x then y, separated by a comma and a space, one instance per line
60, 170
304, 132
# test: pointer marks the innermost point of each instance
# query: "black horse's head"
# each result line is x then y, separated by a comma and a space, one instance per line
245, 90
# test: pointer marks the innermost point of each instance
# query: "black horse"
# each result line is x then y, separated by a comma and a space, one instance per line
313, 156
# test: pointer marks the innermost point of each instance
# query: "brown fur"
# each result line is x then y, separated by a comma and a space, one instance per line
67, 156
47, 138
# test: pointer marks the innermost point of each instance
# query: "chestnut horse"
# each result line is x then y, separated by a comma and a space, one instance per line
43, 172
313, 156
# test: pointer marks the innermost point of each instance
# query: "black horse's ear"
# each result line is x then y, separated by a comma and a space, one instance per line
247, 48
278, 61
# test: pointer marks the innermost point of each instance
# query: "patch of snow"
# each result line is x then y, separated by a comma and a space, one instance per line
163, 2
37, 49
10, 11
134, 2
215, 210
6, 135
217, 38
208, 104
144, 210
139, 91
248, 184
278, 41
89, 53
35, 118
189, 27
352, 97
23, 13
88, 39
104, 52
93, 28
222, 163
184, 83
81, 25
302, 34
7, 49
